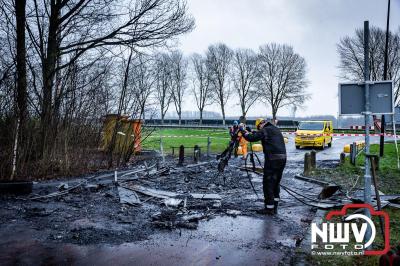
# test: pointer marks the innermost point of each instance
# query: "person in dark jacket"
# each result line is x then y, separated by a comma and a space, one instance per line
274, 150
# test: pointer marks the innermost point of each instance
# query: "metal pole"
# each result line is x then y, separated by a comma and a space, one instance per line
382, 138
367, 114
208, 146
385, 67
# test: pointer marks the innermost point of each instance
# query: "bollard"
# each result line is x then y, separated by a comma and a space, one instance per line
313, 158
208, 146
353, 153
196, 154
342, 158
307, 164
162, 150
181, 155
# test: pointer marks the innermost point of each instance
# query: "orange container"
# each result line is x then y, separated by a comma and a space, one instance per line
128, 135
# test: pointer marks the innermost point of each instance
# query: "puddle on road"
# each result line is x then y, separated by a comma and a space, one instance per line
220, 241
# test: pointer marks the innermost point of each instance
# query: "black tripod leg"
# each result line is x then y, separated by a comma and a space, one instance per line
259, 162
248, 173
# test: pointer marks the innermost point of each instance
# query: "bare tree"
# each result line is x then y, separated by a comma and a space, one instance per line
127, 64
282, 79
219, 57
63, 31
178, 81
201, 83
244, 75
142, 82
162, 83
351, 53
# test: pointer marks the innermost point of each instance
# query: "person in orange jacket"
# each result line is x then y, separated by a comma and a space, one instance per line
243, 143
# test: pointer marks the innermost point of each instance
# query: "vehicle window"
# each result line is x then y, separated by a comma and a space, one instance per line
311, 126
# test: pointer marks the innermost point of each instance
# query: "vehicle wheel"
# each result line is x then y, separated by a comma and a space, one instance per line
297, 147
323, 146
330, 144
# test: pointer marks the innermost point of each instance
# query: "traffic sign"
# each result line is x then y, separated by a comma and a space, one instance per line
352, 98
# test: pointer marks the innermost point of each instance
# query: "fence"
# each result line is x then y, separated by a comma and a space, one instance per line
206, 123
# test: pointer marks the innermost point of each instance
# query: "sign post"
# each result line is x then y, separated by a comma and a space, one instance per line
367, 114
366, 98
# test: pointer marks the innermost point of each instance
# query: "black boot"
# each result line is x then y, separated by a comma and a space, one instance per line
266, 211
276, 207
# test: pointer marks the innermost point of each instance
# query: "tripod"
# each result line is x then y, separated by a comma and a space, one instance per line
251, 155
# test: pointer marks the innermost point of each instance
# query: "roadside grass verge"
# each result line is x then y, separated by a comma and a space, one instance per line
350, 177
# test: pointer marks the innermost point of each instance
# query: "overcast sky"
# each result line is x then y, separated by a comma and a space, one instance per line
312, 27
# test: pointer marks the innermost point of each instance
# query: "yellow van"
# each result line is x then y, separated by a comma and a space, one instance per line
314, 134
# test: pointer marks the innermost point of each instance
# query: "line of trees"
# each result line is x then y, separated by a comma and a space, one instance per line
64, 64
275, 75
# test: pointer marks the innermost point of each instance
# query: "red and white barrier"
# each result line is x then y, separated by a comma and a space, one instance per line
342, 134
362, 127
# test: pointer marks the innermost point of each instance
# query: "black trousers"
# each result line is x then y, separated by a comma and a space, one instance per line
273, 171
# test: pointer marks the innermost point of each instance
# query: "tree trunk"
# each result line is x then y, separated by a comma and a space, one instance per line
243, 106
14, 159
180, 118
21, 61
48, 70
274, 111
22, 94
223, 115
201, 117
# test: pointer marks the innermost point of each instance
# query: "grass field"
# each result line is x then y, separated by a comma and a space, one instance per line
188, 138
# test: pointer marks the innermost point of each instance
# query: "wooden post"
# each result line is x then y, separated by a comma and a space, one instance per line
376, 164
181, 155
342, 158
313, 158
307, 164
196, 153
162, 150
208, 146
353, 153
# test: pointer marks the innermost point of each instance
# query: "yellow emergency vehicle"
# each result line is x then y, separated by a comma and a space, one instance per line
314, 134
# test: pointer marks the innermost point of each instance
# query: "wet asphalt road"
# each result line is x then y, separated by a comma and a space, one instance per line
332, 153
224, 240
